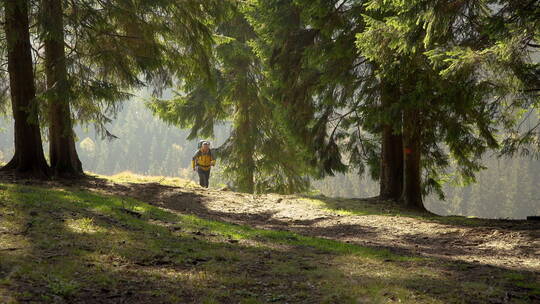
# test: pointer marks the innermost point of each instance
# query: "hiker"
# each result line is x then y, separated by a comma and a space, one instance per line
202, 161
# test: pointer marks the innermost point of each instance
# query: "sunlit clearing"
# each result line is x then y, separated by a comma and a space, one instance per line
83, 225
130, 177
195, 278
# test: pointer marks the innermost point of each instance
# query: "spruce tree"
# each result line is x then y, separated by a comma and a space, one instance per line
501, 48
446, 100
335, 101
319, 82
255, 156
63, 157
113, 47
28, 157
391, 179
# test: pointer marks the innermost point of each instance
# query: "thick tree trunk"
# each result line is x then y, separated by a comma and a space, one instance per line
391, 179
62, 152
412, 186
28, 158
247, 182
246, 173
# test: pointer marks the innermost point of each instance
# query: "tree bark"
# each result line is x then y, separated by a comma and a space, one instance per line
391, 179
246, 175
62, 152
28, 158
412, 186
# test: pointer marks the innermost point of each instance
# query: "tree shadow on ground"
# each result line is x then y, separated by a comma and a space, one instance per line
124, 259
368, 206
448, 244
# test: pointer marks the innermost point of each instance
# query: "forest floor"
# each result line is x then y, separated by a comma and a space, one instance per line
136, 239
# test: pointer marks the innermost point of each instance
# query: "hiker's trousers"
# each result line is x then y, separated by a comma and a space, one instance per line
204, 176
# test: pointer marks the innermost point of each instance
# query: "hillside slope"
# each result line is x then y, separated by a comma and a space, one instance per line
133, 239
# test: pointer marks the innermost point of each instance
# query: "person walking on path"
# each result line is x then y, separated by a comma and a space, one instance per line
202, 161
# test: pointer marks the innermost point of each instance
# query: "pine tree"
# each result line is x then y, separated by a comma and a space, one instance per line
321, 85
439, 108
502, 51
132, 43
391, 180
256, 156
28, 158
334, 101
63, 156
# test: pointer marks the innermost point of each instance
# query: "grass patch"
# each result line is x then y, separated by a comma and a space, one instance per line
67, 245
129, 177
527, 283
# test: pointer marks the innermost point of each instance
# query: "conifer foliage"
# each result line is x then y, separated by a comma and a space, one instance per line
257, 157
425, 79
414, 93
455, 105
87, 56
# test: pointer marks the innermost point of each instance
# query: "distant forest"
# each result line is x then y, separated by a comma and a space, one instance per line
146, 145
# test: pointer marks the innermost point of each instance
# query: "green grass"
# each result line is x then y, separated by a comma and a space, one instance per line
129, 177
524, 282
67, 245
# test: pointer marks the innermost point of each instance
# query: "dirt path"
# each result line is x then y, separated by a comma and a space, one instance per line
506, 244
